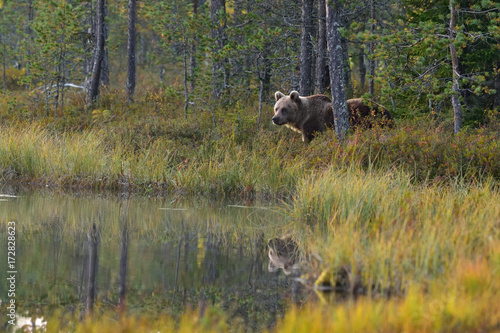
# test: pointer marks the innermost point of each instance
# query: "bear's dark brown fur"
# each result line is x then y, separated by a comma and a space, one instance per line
284, 254
314, 114
366, 116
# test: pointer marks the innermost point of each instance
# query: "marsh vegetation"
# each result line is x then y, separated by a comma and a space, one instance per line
144, 203
412, 213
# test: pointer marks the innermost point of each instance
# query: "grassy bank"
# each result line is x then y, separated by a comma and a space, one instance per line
103, 159
191, 157
393, 233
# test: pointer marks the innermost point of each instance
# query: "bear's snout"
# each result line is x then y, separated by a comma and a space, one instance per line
276, 120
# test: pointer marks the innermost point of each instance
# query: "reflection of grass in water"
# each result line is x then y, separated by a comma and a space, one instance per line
432, 307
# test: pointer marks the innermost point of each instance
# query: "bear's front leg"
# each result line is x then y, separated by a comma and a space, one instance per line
307, 137
310, 128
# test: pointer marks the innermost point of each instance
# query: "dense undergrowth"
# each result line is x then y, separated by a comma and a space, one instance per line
412, 212
147, 147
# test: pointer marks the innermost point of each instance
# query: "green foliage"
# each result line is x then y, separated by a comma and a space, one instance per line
416, 67
55, 53
410, 51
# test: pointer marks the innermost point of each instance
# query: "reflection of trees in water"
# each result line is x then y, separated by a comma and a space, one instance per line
122, 288
93, 248
212, 256
106, 253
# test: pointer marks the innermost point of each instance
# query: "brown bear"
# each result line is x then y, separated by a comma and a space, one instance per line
314, 114
284, 254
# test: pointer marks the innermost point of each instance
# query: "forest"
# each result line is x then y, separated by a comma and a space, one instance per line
171, 101
418, 58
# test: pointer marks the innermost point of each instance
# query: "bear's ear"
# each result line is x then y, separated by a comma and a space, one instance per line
278, 95
294, 95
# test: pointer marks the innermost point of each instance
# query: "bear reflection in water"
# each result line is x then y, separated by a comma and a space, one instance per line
283, 254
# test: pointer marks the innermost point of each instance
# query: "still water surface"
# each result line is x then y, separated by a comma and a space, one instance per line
166, 254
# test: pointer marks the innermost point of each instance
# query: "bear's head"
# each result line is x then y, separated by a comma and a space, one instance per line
283, 254
286, 108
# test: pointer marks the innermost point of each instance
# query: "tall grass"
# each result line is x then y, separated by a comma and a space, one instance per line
392, 232
99, 159
177, 155
435, 308
33, 154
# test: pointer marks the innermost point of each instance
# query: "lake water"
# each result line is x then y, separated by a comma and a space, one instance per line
167, 255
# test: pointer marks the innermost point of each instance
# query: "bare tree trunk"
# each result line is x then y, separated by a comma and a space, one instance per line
306, 49
237, 19
322, 77
192, 67
455, 101
371, 63
95, 74
217, 16
88, 44
131, 49
30, 34
337, 83
105, 56
186, 91
264, 76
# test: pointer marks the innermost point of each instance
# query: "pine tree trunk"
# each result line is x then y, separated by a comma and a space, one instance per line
336, 62
131, 49
29, 31
4, 53
96, 64
455, 101
264, 81
371, 63
217, 13
105, 55
192, 67
305, 81
186, 90
322, 77
88, 45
